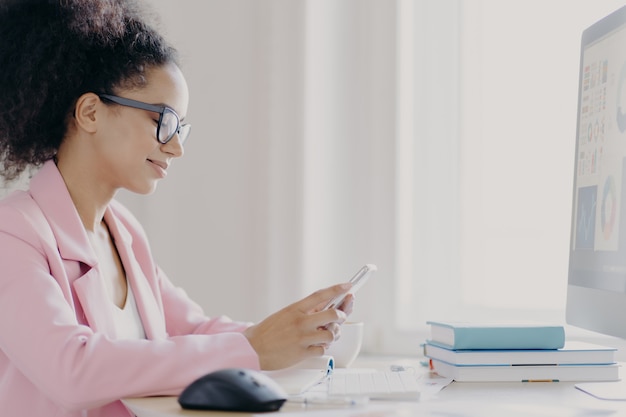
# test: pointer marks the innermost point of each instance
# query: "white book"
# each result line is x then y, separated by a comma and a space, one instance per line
526, 373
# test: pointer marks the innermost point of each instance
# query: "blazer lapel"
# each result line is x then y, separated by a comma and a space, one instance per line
49, 191
149, 311
96, 305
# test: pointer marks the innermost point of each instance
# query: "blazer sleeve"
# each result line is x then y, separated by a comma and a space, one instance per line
44, 345
185, 316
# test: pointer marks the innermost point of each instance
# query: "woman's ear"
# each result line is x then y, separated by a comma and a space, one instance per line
85, 112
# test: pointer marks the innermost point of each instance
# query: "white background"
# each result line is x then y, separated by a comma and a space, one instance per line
434, 138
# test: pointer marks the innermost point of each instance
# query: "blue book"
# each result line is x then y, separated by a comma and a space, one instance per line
476, 335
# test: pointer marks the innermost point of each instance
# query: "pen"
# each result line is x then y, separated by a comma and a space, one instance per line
332, 400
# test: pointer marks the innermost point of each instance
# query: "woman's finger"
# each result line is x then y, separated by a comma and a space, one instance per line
323, 296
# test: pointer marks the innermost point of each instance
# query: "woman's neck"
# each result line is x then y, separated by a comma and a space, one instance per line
90, 197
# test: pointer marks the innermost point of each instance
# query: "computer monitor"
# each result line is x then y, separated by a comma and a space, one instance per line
596, 291
596, 296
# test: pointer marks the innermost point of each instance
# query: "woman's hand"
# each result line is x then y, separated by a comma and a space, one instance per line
300, 330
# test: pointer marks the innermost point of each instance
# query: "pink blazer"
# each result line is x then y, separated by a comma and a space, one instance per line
58, 350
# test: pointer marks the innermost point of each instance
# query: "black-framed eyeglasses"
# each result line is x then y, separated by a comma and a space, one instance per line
169, 122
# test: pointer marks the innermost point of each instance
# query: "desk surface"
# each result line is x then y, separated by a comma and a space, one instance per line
470, 399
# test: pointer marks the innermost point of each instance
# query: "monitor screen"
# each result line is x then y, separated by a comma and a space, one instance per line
596, 296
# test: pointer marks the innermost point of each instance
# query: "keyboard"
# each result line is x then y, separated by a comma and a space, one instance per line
377, 385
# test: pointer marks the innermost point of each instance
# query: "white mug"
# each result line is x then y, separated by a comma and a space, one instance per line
345, 349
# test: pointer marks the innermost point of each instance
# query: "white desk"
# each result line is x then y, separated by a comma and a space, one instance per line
470, 399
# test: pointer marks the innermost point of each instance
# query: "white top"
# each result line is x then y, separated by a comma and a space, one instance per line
127, 321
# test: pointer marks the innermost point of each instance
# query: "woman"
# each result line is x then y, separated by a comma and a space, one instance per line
91, 94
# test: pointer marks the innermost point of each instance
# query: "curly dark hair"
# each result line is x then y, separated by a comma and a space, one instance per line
52, 52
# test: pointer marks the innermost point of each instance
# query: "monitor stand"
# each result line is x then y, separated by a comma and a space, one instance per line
613, 391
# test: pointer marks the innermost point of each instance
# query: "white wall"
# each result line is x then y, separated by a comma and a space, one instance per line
288, 182
207, 221
244, 221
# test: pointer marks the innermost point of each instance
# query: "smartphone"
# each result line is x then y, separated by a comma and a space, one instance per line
357, 282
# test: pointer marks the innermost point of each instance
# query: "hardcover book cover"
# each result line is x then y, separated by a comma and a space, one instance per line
475, 335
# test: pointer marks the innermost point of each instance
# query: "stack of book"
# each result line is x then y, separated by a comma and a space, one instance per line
515, 352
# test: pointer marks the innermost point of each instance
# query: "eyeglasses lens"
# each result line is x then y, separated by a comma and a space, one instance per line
183, 132
170, 125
